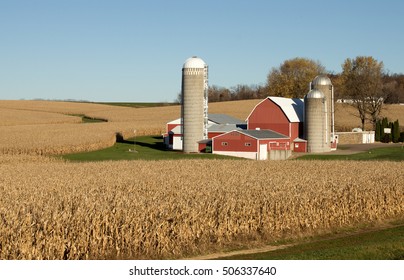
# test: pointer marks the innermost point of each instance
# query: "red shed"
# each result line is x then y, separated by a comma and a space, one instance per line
282, 115
300, 145
252, 144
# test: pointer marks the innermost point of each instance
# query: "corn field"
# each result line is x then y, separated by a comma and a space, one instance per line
13, 117
50, 209
43, 128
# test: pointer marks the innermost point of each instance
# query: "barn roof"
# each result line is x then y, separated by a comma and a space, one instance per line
224, 119
176, 130
292, 107
205, 141
176, 121
215, 118
299, 140
264, 134
223, 127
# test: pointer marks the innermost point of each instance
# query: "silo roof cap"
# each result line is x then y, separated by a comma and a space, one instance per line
315, 93
194, 62
322, 80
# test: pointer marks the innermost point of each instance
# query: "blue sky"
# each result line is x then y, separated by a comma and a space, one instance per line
121, 50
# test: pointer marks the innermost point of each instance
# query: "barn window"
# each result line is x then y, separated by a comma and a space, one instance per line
296, 145
247, 144
225, 143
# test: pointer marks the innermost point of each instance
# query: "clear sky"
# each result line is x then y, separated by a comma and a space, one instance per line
133, 50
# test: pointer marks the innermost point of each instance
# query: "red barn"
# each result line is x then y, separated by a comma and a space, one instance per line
282, 115
252, 144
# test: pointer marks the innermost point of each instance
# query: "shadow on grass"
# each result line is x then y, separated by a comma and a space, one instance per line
157, 145
154, 142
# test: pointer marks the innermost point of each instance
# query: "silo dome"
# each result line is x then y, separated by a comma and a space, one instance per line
194, 62
322, 80
315, 93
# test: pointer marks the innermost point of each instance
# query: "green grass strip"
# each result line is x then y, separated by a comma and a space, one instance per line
385, 244
141, 148
390, 154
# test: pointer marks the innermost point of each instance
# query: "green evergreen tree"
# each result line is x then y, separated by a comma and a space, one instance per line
377, 132
396, 132
385, 124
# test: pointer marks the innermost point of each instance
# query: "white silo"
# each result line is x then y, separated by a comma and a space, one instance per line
323, 83
194, 110
315, 121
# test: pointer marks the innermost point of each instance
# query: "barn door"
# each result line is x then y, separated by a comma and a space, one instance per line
263, 155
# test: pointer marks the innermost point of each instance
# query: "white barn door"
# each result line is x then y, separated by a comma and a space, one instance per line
263, 154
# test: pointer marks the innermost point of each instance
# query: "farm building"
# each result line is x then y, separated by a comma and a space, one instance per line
282, 115
252, 144
305, 125
275, 127
217, 124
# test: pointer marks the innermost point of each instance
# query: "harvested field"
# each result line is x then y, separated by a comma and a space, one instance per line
53, 106
58, 134
346, 116
50, 132
239, 109
9, 117
61, 210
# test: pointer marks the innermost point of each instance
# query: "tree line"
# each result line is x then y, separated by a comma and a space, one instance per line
362, 83
292, 78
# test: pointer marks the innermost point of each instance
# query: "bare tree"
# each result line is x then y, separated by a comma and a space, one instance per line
362, 83
393, 87
216, 94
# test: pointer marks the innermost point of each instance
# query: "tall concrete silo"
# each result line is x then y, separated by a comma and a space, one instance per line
315, 121
323, 83
194, 110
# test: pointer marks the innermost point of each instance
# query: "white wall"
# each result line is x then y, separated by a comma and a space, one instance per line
177, 143
368, 137
249, 155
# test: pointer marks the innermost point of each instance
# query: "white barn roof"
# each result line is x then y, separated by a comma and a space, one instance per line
176, 130
292, 107
176, 121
